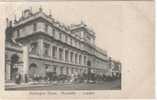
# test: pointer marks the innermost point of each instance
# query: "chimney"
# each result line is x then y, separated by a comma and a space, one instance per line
50, 13
40, 9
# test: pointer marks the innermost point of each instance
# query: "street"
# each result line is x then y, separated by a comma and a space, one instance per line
107, 85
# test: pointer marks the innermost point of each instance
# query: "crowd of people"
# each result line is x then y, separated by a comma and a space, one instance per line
73, 78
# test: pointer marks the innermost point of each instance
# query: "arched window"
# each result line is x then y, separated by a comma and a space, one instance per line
80, 59
32, 70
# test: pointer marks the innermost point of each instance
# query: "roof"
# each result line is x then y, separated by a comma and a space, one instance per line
31, 16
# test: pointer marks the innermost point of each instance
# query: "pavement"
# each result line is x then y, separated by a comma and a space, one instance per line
107, 85
29, 84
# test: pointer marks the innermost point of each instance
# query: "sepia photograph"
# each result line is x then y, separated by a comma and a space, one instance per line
44, 53
77, 49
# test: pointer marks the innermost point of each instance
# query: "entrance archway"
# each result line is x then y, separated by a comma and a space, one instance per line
32, 70
14, 69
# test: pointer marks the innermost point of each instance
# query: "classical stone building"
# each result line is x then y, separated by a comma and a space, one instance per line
36, 43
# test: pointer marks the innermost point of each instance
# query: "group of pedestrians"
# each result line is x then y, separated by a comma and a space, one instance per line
73, 78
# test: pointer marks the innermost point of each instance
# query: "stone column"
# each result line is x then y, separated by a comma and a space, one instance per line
41, 48
51, 51
7, 72
80, 59
25, 63
57, 53
82, 62
73, 58
63, 55
68, 56
76, 57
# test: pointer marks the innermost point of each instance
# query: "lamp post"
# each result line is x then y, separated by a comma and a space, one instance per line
89, 71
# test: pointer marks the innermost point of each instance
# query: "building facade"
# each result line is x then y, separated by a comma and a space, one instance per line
36, 43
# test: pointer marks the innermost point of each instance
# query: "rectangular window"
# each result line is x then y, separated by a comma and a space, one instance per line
34, 48
60, 36
75, 58
72, 70
85, 60
80, 59
71, 41
35, 27
60, 54
24, 29
63, 37
79, 45
61, 70
67, 70
46, 27
80, 70
66, 39
18, 33
47, 67
71, 57
75, 43
46, 49
54, 69
54, 52
53, 32
66, 55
